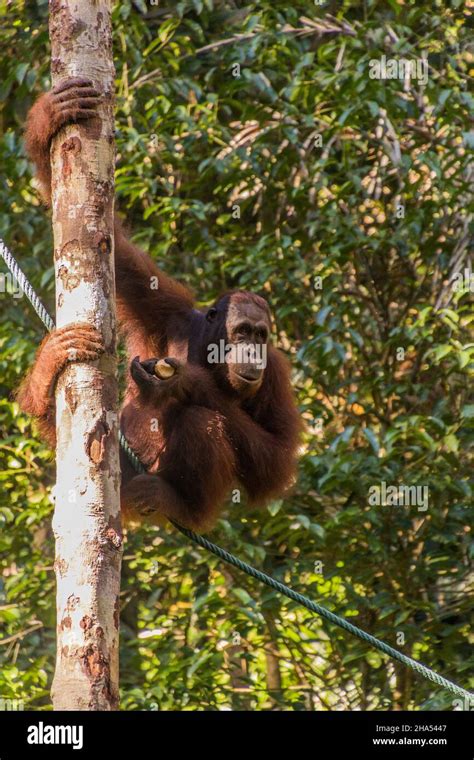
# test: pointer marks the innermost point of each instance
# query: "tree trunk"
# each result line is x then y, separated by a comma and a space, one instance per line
87, 514
274, 684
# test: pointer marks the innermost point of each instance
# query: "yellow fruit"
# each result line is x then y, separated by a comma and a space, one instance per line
163, 369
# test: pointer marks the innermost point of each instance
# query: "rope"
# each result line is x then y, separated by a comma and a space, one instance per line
26, 286
323, 612
137, 465
381, 646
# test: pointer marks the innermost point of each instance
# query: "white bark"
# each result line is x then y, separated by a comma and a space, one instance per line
87, 511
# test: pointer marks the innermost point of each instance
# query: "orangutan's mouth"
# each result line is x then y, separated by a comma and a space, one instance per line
249, 376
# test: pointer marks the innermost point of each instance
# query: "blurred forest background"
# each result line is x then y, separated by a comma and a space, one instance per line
255, 151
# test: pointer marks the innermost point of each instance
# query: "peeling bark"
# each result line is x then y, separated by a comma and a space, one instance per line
87, 519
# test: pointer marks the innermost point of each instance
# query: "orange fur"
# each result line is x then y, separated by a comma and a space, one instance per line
197, 436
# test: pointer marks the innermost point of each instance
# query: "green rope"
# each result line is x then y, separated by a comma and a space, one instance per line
323, 612
26, 286
137, 465
418, 667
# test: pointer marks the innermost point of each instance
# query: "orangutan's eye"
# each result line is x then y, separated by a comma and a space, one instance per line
244, 329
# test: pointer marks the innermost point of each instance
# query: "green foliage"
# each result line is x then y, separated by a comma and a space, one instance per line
354, 237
